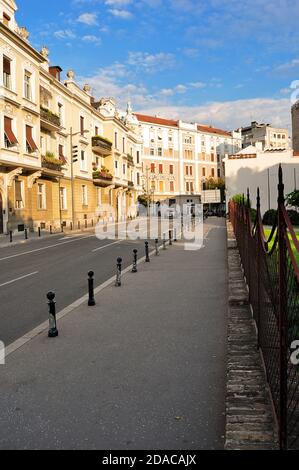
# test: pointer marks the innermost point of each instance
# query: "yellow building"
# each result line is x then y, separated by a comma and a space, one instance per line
60, 160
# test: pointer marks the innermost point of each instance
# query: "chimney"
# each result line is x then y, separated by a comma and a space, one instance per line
55, 71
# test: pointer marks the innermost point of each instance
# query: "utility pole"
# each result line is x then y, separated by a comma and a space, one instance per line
72, 178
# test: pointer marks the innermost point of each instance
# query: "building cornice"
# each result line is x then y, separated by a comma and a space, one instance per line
24, 45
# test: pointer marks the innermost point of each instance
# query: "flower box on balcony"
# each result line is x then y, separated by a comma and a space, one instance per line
49, 116
102, 175
51, 163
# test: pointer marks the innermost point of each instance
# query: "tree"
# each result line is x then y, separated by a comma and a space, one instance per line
293, 199
216, 183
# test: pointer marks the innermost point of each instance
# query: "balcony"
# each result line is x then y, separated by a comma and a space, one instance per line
131, 185
130, 159
51, 164
49, 121
102, 178
101, 146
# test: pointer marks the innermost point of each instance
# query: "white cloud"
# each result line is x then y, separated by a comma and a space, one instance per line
123, 14
151, 62
288, 65
92, 39
229, 114
181, 89
89, 19
64, 34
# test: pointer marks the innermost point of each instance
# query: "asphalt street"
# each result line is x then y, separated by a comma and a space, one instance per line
60, 263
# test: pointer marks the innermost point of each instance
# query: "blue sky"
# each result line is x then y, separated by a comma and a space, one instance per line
218, 62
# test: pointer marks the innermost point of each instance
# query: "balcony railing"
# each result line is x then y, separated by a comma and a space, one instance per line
50, 117
52, 163
130, 184
101, 175
130, 159
101, 145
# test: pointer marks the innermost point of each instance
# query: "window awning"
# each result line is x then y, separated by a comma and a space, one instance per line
9, 132
29, 139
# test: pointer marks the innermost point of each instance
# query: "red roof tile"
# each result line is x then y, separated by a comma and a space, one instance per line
212, 130
157, 120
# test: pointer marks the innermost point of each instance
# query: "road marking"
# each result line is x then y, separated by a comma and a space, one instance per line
44, 248
18, 279
105, 246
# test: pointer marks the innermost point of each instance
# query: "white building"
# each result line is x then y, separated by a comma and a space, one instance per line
252, 168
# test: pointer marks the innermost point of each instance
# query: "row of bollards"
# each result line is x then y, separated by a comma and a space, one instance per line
53, 331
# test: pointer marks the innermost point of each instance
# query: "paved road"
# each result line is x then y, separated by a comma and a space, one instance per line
144, 369
59, 263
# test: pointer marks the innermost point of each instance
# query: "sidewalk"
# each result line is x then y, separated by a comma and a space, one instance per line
144, 369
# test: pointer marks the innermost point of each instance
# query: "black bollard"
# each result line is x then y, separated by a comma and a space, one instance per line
118, 272
51, 231
62, 228
10, 236
26, 233
135, 270
78, 224
71, 225
39, 232
85, 223
175, 235
157, 246
164, 241
170, 238
147, 258
53, 332
91, 299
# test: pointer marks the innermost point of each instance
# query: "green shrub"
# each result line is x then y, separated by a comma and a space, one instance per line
294, 217
270, 217
253, 213
238, 198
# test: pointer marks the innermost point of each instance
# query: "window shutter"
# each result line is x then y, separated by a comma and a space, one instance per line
29, 139
8, 131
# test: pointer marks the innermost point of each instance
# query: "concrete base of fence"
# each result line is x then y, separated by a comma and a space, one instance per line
249, 418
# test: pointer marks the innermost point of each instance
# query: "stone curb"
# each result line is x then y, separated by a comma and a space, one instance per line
249, 417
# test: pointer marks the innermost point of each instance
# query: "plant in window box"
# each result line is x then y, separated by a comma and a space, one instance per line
51, 162
104, 139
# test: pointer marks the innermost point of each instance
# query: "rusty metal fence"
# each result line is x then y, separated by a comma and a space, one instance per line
272, 275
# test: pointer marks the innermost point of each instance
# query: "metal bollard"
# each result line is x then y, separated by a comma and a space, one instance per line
85, 223
147, 258
91, 299
118, 272
51, 230
71, 225
53, 332
62, 228
164, 241
135, 270
175, 235
170, 238
26, 233
157, 246
10, 236
78, 224
39, 231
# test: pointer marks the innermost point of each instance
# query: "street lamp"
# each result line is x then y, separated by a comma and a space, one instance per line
72, 135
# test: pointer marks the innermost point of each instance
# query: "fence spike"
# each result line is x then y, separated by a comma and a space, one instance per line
280, 185
258, 199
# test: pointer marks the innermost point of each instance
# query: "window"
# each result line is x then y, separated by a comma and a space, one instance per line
138, 157
160, 151
41, 196
84, 195
99, 197
10, 139
191, 187
171, 169
6, 19
61, 153
82, 125
203, 172
160, 169
83, 161
60, 112
187, 170
63, 199
96, 130
124, 145
27, 85
30, 144
7, 72
152, 152
115, 140
191, 171
170, 151
19, 194
161, 186
187, 187
213, 172
153, 168
124, 169
212, 157
171, 186
153, 185
218, 172
138, 179
116, 168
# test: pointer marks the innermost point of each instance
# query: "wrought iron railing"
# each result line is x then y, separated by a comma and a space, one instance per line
272, 275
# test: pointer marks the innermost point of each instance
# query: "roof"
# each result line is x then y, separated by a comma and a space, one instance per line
156, 120
213, 130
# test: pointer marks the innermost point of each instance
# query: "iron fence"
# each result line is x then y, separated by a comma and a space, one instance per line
272, 275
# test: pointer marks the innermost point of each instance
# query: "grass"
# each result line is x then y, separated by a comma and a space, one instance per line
296, 254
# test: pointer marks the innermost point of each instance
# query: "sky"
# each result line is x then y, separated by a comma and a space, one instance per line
220, 62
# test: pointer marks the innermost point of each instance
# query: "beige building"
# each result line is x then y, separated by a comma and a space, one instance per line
178, 157
44, 121
270, 137
295, 126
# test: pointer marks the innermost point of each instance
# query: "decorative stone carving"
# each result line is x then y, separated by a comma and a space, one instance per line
87, 88
24, 33
9, 109
32, 178
29, 118
70, 75
12, 174
44, 52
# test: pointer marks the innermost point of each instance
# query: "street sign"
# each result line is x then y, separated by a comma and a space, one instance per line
211, 196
